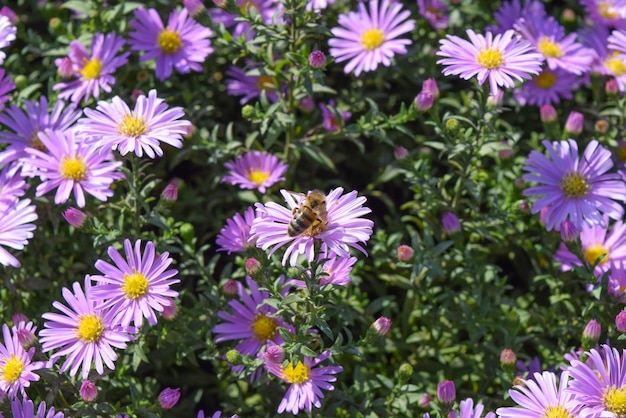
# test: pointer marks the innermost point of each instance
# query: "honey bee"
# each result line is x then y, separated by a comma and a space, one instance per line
311, 218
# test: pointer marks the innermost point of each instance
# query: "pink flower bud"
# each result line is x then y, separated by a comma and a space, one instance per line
620, 321
430, 86
405, 253
169, 397
591, 334
400, 153
170, 310
574, 123
231, 287
548, 113
194, 7
170, 193
74, 217
382, 325
317, 59
446, 392
611, 87
568, 231
424, 101
88, 391
65, 68
252, 266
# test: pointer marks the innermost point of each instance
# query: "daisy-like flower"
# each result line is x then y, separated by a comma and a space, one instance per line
343, 228
183, 44
547, 87
336, 271
606, 13
574, 188
27, 124
16, 365
71, 165
141, 130
599, 383
6, 86
82, 332
368, 39
7, 35
510, 12
250, 321
435, 12
331, 122
501, 59
541, 397
249, 87
135, 287
93, 71
235, 236
306, 382
266, 9
255, 170
16, 228
25, 408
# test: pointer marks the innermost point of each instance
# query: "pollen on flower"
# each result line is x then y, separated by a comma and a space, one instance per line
257, 176
549, 48
615, 65
574, 185
557, 411
614, 400
298, 374
594, 252
490, 58
169, 41
12, 369
73, 168
90, 328
545, 80
372, 39
264, 327
132, 126
135, 285
91, 70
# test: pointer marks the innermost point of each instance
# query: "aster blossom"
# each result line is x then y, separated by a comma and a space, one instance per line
366, 40
266, 9
574, 188
255, 170
547, 87
183, 44
72, 165
16, 228
83, 333
248, 86
16, 365
502, 58
141, 130
93, 72
25, 408
306, 382
343, 227
235, 235
7, 35
135, 287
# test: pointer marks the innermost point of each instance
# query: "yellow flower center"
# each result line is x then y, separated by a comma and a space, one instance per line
574, 185
615, 64
90, 328
265, 82
614, 400
594, 252
549, 49
298, 374
372, 39
607, 10
557, 411
12, 369
490, 58
169, 41
135, 285
91, 70
264, 327
73, 168
257, 176
545, 80
132, 126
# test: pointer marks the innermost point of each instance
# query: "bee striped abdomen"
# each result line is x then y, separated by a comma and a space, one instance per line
303, 220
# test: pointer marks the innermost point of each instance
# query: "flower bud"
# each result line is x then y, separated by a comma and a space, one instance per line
230, 288
381, 325
425, 401
234, 357
452, 125
446, 392
405, 253
274, 353
194, 7
423, 101
56, 25
568, 15
74, 217
65, 68
170, 310
306, 104
591, 334
508, 360
430, 86
450, 222
400, 153
252, 266
547, 113
495, 99
10, 14
19, 317
405, 371
25, 333
187, 232
88, 391
601, 126
524, 206
169, 397
247, 111
568, 231
611, 87
620, 321
317, 59
170, 193
574, 123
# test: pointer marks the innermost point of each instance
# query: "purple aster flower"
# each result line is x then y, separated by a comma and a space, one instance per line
250, 321
183, 44
12, 185
435, 12
137, 286
141, 130
306, 381
16, 228
599, 384
16, 365
547, 87
7, 35
577, 189
6, 86
501, 59
510, 12
467, 410
331, 122
71, 165
336, 271
25, 408
559, 51
343, 227
27, 124
266, 9
255, 170
606, 13
541, 397
235, 236
82, 332
368, 39
239, 83
93, 71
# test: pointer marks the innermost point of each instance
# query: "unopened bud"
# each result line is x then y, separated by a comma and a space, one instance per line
400, 153
405, 371
234, 357
274, 353
194, 7
88, 391
452, 125
601, 126
507, 360
74, 217
450, 222
547, 113
620, 321
568, 231
591, 334
170, 193
574, 123
425, 401
169, 397
252, 266
405, 253
424, 101
381, 325
317, 59
446, 392
65, 68
170, 310
430, 86
247, 111
611, 87
230, 288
